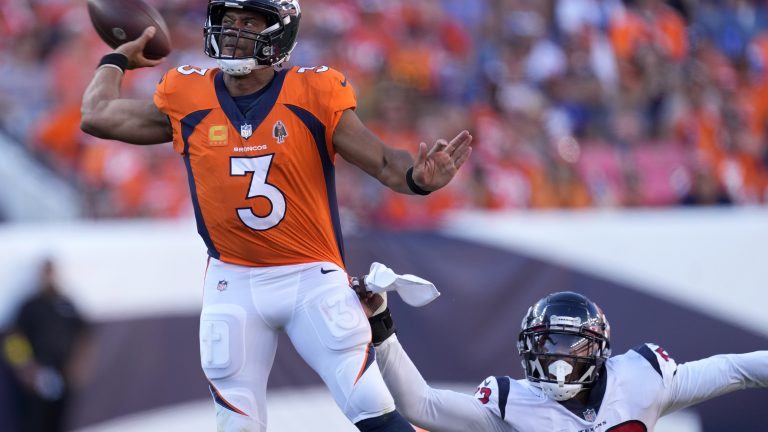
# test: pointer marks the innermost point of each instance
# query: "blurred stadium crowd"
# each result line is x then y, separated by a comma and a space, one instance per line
572, 103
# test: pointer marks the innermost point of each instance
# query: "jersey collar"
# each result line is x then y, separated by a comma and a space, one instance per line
256, 115
595, 399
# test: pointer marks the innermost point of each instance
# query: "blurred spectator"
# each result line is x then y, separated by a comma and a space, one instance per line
43, 349
705, 190
615, 77
10, 403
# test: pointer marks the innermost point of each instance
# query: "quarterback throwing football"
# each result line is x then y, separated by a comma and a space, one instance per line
259, 141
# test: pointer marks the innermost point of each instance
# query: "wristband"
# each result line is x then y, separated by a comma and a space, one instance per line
115, 60
382, 327
412, 184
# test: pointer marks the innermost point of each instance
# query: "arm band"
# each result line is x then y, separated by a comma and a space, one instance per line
382, 327
116, 60
412, 184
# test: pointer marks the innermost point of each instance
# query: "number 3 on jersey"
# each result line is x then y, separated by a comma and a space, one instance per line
259, 167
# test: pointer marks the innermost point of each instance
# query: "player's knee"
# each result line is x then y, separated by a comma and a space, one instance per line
389, 422
230, 421
369, 397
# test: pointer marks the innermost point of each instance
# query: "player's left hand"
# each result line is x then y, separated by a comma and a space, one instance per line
433, 169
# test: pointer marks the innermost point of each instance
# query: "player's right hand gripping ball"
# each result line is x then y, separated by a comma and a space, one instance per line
121, 21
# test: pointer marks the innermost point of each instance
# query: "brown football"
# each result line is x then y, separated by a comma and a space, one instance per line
121, 21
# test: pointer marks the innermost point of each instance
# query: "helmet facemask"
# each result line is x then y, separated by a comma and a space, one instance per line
270, 47
562, 363
564, 344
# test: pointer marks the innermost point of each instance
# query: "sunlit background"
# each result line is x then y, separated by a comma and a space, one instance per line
620, 150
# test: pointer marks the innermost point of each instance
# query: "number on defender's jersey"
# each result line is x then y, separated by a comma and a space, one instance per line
259, 167
629, 426
483, 394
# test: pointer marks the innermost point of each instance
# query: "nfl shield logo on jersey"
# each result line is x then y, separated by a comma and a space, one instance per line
246, 130
222, 285
590, 415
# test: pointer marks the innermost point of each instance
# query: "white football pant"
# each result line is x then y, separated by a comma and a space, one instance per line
245, 307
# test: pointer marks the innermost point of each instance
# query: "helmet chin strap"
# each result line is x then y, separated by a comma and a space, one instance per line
239, 67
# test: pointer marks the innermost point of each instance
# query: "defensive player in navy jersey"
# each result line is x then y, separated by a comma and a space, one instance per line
572, 383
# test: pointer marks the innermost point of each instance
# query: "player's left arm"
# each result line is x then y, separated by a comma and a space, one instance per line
700, 380
432, 169
417, 401
426, 406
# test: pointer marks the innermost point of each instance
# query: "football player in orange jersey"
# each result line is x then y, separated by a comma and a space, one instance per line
258, 141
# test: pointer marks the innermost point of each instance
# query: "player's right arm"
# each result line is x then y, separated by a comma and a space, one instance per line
105, 115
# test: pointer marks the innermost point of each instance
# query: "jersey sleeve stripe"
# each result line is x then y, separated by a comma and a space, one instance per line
257, 115
503, 383
647, 354
188, 125
317, 129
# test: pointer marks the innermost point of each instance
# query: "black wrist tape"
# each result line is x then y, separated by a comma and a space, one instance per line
412, 184
382, 327
115, 59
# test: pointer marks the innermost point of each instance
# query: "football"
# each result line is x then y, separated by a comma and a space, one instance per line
121, 21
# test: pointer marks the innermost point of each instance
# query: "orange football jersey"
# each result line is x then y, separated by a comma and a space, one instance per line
262, 185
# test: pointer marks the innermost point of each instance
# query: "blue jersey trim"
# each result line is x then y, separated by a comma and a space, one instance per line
245, 104
503, 383
370, 359
188, 125
317, 129
256, 114
647, 354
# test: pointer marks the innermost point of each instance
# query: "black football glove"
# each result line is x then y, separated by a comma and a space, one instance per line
380, 319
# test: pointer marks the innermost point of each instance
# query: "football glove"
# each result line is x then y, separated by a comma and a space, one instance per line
375, 306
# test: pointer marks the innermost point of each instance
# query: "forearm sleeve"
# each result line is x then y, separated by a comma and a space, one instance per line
426, 407
705, 379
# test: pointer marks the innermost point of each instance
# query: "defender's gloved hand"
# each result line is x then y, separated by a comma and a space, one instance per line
375, 307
